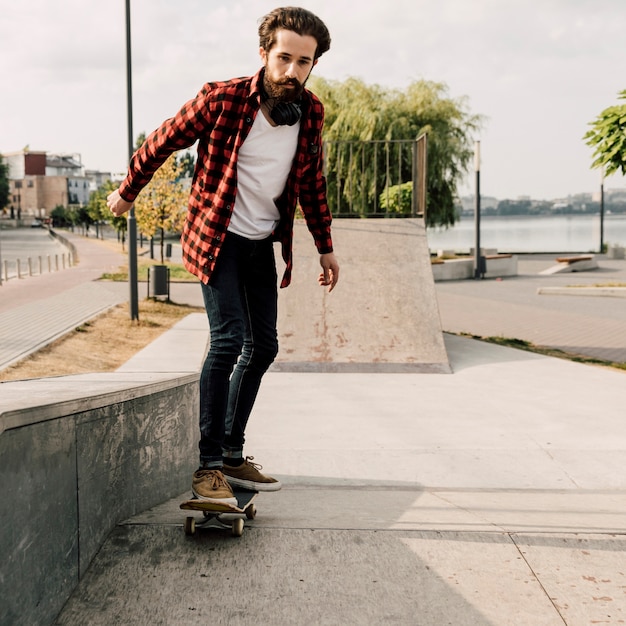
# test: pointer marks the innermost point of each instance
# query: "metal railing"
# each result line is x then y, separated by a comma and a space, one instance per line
34, 267
378, 178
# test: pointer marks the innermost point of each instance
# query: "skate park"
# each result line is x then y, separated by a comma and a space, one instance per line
428, 477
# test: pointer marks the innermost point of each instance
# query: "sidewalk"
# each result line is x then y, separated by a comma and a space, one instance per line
491, 496
35, 311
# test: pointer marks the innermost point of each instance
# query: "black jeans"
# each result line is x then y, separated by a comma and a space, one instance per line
241, 303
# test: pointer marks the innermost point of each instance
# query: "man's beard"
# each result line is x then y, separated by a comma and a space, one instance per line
278, 91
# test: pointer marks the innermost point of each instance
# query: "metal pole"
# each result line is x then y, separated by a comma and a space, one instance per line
132, 222
601, 210
478, 264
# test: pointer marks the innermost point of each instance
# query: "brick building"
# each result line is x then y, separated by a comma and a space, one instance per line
39, 181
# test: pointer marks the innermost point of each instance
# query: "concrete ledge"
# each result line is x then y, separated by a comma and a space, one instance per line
79, 454
71, 469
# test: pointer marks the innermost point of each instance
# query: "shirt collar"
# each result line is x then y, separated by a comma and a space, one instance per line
255, 86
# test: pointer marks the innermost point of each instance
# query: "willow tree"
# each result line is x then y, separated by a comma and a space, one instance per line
161, 207
357, 112
608, 138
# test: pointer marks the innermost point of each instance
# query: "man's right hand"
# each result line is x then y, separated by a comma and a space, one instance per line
117, 204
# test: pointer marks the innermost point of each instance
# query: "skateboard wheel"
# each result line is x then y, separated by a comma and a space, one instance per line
251, 512
190, 526
237, 528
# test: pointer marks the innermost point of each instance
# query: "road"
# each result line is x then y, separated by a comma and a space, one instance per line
22, 243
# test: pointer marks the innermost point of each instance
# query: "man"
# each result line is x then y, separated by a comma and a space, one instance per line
259, 155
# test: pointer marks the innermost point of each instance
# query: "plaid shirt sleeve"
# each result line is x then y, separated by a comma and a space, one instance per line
218, 118
176, 133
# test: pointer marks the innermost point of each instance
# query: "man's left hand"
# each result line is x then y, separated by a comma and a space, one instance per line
330, 271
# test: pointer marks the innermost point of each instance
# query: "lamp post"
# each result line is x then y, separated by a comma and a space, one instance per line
131, 220
601, 209
479, 262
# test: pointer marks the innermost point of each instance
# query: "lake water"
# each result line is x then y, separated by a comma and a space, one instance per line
558, 233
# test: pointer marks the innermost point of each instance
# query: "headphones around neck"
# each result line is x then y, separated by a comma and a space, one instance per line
285, 113
282, 113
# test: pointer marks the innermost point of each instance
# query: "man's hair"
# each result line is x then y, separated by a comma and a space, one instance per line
297, 20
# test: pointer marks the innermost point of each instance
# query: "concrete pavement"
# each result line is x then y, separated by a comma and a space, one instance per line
492, 495
519, 307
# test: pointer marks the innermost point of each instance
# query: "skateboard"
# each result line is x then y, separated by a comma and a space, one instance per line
221, 516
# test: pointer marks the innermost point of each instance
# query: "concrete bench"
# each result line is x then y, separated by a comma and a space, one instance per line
580, 263
573, 259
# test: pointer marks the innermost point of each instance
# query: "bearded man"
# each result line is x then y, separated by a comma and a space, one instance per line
259, 156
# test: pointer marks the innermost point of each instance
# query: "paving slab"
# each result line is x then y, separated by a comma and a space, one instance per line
480, 497
308, 577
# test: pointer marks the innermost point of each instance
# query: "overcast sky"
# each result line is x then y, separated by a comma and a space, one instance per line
538, 70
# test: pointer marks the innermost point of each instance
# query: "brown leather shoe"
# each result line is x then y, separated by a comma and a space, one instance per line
211, 486
248, 476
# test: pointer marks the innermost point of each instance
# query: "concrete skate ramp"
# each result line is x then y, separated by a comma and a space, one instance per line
381, 317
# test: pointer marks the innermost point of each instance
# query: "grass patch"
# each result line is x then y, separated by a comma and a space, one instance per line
101, 344
522, 344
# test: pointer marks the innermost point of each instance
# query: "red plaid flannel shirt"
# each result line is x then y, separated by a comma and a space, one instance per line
219, 118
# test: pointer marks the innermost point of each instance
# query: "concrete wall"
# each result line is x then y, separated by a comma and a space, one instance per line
71, 470
78, 454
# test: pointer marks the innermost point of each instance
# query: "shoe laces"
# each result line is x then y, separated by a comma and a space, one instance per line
257, 466
215, 477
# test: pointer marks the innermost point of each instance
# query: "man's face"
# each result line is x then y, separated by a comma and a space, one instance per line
288, 64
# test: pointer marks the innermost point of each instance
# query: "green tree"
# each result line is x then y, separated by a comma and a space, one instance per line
359, 112
98, 210
4, 184
397, 199
608, 138
61, 217
162, 205
80, 215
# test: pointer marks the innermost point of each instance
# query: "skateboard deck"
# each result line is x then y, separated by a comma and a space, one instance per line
222, 516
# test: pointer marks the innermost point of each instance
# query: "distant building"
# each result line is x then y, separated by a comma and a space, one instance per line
468, 203
39, 181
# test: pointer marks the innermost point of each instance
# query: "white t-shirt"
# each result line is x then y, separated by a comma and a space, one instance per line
264, 162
